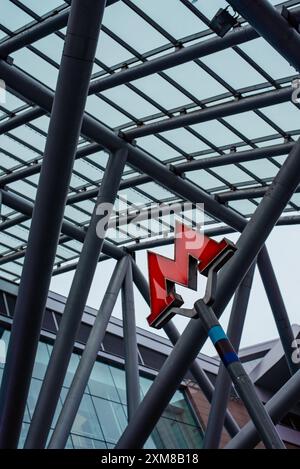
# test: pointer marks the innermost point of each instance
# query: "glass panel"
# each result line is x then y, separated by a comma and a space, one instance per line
130, 101
42, 123
210, 8
86, 422
170, 434
232, 173
178, 409
110, 52
24, 431
4, 335
41, 8
157, 148
286, 115
105, 112
250, 125
184, 140
245, 207
101, 383
262, 168
162, 92
204, 179
51, 46
12, 102
131, 28
268, 58
16, 148
156, 191
71, 369
34, 390
30, 136
216, 133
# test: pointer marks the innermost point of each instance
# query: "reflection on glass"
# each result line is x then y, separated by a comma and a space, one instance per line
101, 383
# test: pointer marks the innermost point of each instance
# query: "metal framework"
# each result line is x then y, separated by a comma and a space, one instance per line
127, 124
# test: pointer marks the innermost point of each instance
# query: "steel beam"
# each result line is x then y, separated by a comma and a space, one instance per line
223, 384
280, 315
187, 348
26, 208
272, 26
277, 407
218, 111
74, 307
64, 129
133, 395
88, 358
172, 333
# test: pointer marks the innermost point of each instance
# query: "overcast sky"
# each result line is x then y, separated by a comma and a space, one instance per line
283, 246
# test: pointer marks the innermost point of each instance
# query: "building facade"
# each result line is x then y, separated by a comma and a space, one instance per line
102, 416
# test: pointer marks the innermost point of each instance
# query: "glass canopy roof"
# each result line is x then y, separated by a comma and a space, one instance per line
133, 32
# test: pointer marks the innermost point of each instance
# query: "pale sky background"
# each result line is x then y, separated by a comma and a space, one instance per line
283, 247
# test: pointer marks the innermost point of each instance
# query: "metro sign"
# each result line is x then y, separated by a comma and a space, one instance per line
194, 252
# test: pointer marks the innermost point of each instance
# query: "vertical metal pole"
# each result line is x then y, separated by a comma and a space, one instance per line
131, 351
278, 308
172, 333
217, 413
65, 123
277, 407
84, 369
187, 348
83, 277
240, 378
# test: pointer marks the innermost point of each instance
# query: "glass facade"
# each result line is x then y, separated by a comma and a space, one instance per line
102, 416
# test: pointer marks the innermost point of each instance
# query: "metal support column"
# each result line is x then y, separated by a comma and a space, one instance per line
64, 128
187, 348
217, 413
277, 407
84, 369
172, 333
133, 394
83, 277
278, 308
